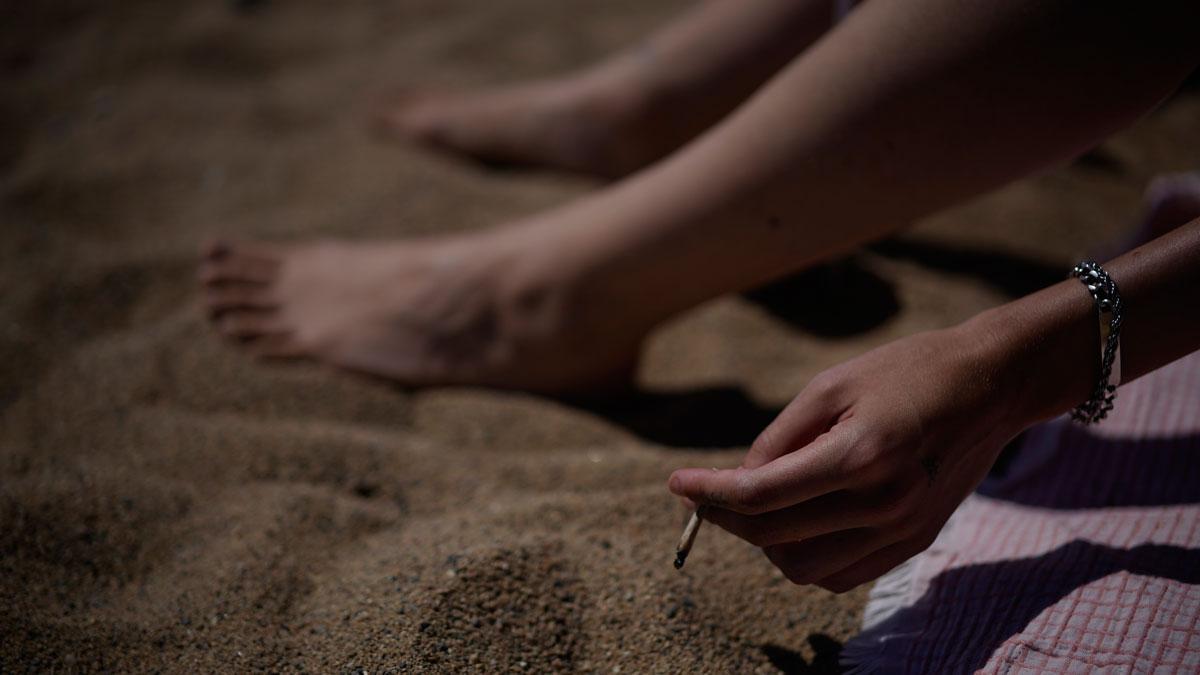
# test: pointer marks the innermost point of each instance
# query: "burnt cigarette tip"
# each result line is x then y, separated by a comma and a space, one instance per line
688, 538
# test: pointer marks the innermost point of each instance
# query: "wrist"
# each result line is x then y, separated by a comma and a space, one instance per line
1043, 351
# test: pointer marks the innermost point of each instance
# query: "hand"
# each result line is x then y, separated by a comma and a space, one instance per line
862, 469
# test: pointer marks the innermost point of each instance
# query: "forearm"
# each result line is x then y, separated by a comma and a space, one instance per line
904, 109
1048, 343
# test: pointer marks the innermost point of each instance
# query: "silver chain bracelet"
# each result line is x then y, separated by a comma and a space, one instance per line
1108, 309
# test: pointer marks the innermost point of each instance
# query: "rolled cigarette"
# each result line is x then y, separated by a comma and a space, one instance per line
689, 537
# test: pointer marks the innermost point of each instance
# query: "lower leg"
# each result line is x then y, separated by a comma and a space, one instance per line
915, 112
631, 109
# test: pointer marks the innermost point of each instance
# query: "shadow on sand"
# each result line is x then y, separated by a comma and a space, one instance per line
711, 418
826, 651
835, 301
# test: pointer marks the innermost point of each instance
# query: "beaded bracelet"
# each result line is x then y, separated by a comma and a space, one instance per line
1108, 309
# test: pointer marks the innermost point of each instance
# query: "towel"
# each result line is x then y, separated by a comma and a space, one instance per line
1081, 555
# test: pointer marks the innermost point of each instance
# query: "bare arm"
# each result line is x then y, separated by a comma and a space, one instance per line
863, 468
1045, 332
905, 108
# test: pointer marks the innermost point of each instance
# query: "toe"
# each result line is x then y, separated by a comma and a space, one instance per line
239, 265
402, 113
260, 250
249, 324
228, 297
215, 249
275, 346
420, 124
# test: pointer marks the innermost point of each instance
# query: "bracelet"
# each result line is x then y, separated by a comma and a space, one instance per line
1108, 309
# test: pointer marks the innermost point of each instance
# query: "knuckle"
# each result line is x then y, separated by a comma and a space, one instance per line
747, 495
866, 460
876, 460
824, 384
896, 502
766, 444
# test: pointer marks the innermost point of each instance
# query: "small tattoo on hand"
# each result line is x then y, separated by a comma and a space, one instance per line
931, 466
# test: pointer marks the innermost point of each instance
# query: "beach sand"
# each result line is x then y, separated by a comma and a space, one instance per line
168, 504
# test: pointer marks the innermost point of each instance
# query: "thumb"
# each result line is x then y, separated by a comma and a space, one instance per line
812, 413
797, 476
724, 488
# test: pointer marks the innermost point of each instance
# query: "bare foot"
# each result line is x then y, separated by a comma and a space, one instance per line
584, 124
421, 313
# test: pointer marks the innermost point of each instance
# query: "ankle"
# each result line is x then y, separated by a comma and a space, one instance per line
616, 90
547, 293
622, 113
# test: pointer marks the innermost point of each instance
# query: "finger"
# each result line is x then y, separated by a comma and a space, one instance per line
813, 412
246, 324
875, 565
806, 562
227, 297
799, 476
833, 512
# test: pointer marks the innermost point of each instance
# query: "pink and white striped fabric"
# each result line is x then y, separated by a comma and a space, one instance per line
1083, 557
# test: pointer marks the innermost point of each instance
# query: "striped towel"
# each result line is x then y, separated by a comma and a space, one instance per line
1082, 557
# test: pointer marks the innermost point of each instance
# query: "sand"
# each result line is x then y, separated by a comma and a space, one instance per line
168, 504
